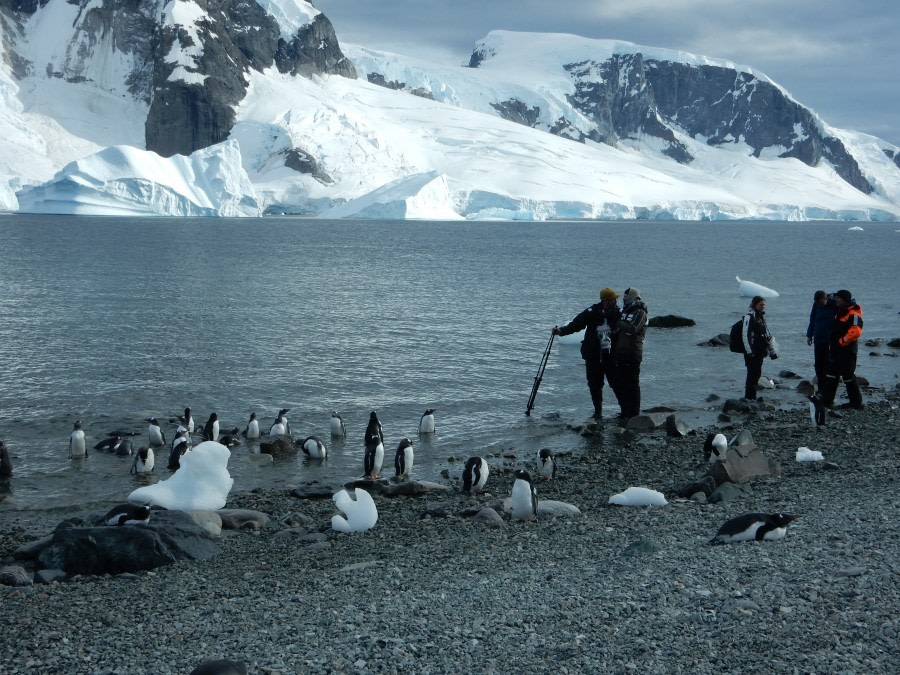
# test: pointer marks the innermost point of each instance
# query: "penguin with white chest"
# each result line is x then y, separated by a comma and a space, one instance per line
754, 527
715, 448
403, 460
475, 475
816, 410
426, 422
211, 428
374, 439
125, 448
127, 514
524, 497
252, 430
76, 442
314, 448
155, 433
181, 445
281, 426
338, 430
547, 464
144, 461
109, 444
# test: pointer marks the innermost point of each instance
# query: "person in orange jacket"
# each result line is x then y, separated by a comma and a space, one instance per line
845, 333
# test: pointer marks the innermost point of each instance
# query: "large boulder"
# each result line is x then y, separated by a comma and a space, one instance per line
168, 537
670, 321
743, 463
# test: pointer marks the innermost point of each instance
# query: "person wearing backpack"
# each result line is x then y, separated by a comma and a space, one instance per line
758, 343
628, 352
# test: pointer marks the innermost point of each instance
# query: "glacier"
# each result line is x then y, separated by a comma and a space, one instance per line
432, 147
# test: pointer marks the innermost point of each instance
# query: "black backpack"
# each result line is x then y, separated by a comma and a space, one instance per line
736, 337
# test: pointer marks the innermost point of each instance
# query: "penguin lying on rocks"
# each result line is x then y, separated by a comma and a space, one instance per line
754, 527
127, 514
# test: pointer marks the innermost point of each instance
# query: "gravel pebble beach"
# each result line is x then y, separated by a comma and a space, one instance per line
615, 589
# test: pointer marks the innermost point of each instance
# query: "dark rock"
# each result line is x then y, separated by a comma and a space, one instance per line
641, 547
169, 537
313, 491
738, 405
707, 485
48, 576
743, 463
488, 517
239, 519
895, 343
743, 437
220, 667
647, 422
788, 375
14, 575
806, 388
670, 321
720, 340
278, 447
677, 427
712, 397
728, 492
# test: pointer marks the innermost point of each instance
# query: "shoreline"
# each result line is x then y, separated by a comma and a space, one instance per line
612, 590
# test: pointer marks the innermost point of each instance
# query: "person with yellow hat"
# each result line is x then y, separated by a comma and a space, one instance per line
599, 324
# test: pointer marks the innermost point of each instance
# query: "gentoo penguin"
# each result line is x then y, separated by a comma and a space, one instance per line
524, 497
403, 460
281, 427
127, 514
547, 464
180, 445
125, 448
230, 439
5, 463
187, 421
715, 448
426, 423
252, 430
374, 458
76, 442
475, 475
338, 430
143, 461
754, 526
211, 429
109, 444
314, 448
817, 410
155, 432
374, 432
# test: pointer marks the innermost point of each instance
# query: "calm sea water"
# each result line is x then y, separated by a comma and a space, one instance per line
110, 321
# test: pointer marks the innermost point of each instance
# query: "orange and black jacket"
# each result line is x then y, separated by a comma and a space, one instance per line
848, 325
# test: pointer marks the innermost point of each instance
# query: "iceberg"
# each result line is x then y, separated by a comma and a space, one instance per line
748, 289
422, 196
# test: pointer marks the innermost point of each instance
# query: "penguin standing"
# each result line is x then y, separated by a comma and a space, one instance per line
373, 459
211, 428
426, 423
314, 448
524, 497
547, 464
76, 442
155, 432
403, 460
817, 410
181, 444
187, 421
127, 514
374, 432
754, 527
281, 427
715, 448
338, 430
252, 430
475, 475
143, 461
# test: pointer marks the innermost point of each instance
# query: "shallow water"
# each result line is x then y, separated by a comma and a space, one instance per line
110, 321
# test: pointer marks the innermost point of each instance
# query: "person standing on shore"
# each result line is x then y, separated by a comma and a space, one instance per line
758, 344
599, 324
628, 352
818, 334
845, 333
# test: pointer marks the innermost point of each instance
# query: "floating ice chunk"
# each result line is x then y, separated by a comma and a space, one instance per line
804, 454
639, 496
748, 289
855, 228
202, 482
361, 512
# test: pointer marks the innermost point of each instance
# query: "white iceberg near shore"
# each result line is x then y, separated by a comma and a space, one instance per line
748, 289
202, 482
639, 496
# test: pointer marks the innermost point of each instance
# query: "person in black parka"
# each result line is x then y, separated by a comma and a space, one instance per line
757, 344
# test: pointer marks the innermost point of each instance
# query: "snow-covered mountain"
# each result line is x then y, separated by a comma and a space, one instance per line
162, 107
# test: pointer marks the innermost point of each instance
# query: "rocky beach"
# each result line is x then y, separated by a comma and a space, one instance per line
434, 588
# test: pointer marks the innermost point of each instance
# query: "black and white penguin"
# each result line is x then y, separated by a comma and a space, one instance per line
281, 427
524, 497
715, 448
547, 464
127, 514
426, 423
403, 460
373, 459
475, 475
252, 430
181, 445
314, 448
109, 444
144, 460
374, 432
187, 421
817, 410
338, 430
211, 428
230, 439
754, 527
76, 442
125, 448
155, 433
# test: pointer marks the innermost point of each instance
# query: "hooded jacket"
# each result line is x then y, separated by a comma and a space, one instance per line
847, 327
631, 328
595, 321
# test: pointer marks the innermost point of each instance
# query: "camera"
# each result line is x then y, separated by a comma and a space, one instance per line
773, 354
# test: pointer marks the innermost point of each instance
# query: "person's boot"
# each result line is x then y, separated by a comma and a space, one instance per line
829, 389
854, 393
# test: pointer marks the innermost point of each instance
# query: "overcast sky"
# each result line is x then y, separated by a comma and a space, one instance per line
839, 58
